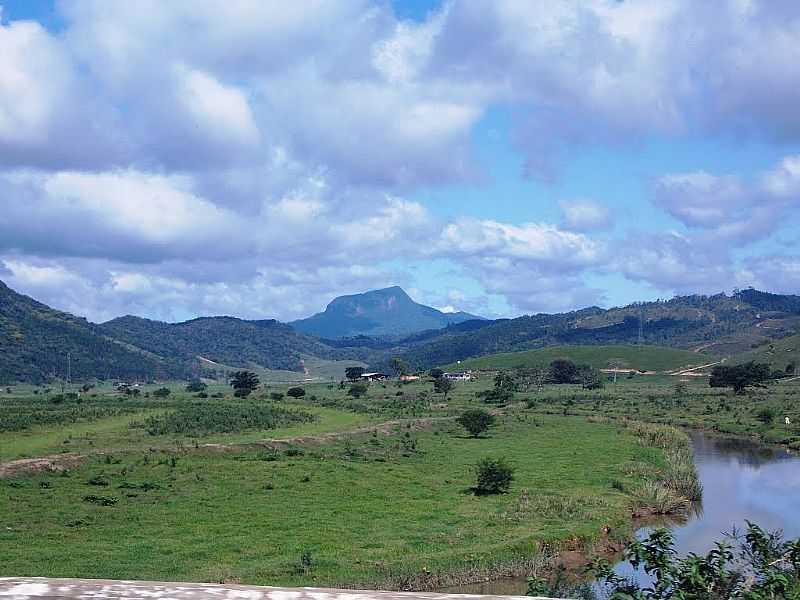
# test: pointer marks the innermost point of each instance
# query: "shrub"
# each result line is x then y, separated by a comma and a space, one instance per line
296, 392
101, 500
162, 392
196, 386
275, 396
357, 390
494, 476
476, 421
766, 415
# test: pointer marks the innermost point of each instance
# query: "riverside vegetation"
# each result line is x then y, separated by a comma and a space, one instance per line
325, 489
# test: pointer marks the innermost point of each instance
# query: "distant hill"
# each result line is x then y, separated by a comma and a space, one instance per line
225, 340
717, 325
35, 340
783, 354
386, 312
641, 358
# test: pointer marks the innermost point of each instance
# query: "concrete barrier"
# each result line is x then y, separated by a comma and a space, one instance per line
31, 588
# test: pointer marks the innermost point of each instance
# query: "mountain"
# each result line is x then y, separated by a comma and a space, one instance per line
719, 325
35, 340
386, 312
225, 340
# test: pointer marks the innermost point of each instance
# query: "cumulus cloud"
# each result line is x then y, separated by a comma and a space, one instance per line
729, 209
276, 163
585, 215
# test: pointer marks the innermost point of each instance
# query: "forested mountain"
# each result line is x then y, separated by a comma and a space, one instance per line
225, 340
717, 324
386, 312
35, 340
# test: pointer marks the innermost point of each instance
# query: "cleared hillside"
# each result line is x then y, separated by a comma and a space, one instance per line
642, 358
779, 354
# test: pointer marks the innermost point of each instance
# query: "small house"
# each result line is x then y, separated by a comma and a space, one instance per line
459, 376
373, 376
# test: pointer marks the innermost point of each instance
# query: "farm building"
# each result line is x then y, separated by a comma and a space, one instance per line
373, 376
459, 376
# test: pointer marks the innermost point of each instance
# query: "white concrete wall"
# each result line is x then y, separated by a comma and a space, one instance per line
31, 588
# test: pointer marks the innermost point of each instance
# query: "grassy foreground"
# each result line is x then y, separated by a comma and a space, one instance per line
389, 508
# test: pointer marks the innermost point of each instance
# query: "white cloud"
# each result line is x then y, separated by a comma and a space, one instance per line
728, 209
585, 215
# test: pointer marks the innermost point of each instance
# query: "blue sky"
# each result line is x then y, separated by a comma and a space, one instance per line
501, 158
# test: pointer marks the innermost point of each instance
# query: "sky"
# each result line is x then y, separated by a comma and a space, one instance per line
256, 159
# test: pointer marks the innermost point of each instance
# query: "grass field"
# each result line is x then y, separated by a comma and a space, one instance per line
779, 354
374, 492
643, 358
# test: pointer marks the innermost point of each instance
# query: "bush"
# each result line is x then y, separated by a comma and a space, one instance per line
161, 392
476, 421
766, 415
275, 396
357, 390
296, 392
494, 476
196, 386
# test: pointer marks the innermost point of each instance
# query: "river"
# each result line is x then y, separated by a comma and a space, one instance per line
742, 480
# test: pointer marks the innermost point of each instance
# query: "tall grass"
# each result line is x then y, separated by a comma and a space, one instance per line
678, 484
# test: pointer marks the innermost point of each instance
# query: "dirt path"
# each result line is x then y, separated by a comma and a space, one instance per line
61, 462
53, 463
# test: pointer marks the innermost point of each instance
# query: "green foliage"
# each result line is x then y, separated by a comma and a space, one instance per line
244, 383
493, 476
739, 376
436, 373
205, 418
296, 392
476, 421
768, 568
162, 392
354, 373
357, 390
35, 340
766, 415
590, 378
400, 367
563, 370
195, 386
443, 385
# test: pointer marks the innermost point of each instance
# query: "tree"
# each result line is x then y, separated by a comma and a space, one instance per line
244, 383
296, 392
563, 370
443, 386
739, 376
161, 392
476, 421
354, 373
357, 390
590, 378
400, 367
436, 373
766, 415
765, 567
196, 386
494, 476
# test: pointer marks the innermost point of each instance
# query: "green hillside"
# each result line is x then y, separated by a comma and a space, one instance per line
225, 340
779, 354
35, 340
642, 358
